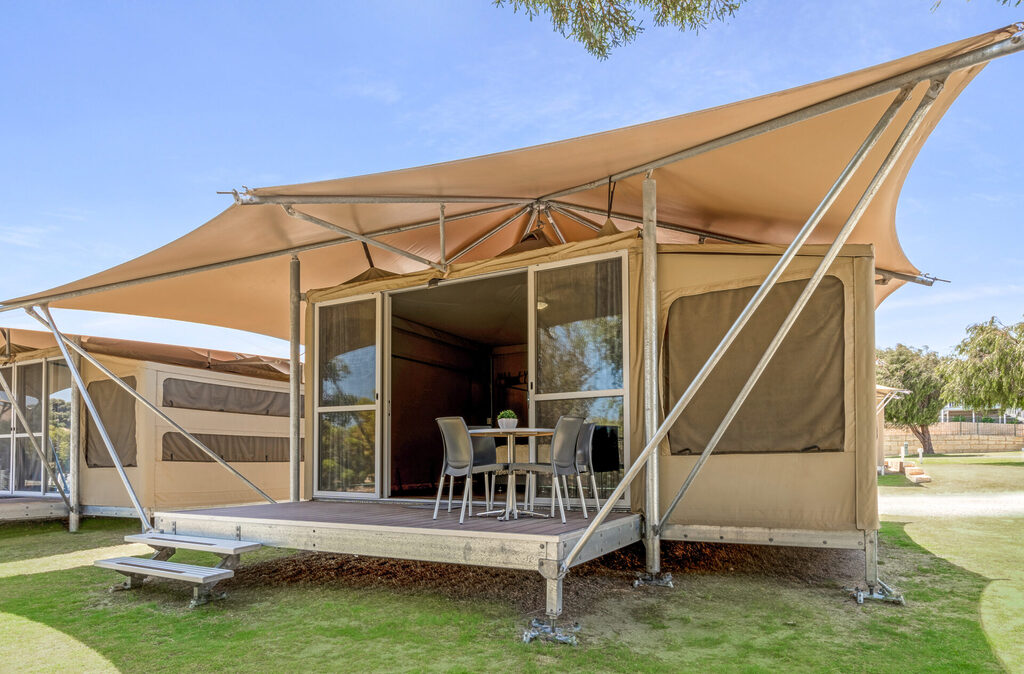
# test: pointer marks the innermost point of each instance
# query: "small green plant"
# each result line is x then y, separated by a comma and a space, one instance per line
507, 414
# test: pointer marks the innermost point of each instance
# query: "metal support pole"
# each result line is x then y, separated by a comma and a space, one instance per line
76, 376
360, 237
20, 415
444, 248
74, 450
294, 380
505, 223
576, 217
871, 559
812, 284
551, 221
63, 342
652, 537
741, 321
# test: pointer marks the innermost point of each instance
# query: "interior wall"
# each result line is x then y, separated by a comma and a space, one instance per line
433, 374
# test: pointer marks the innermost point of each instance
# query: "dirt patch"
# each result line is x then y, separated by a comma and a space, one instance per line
586, 585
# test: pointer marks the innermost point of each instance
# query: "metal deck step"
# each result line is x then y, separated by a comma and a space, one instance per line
218, 546
133, 566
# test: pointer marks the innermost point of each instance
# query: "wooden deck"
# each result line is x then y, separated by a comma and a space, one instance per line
405, 531
31, 508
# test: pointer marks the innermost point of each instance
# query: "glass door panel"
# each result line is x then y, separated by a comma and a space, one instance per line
28, 470
6, 429
347, 399
578, 345
58, 419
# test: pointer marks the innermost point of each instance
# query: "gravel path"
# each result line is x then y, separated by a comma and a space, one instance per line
996, 504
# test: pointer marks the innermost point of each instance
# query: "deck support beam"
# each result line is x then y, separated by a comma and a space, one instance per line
294, 379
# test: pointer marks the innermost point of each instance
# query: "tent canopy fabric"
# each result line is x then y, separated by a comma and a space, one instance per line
758, 190
15, 342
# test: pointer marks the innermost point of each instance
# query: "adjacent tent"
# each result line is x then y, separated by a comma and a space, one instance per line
759, 190
237, 404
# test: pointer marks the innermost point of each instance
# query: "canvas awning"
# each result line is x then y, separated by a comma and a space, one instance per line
15, 343
760, 189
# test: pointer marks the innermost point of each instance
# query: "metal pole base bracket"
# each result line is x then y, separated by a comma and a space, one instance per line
653, 580
204, 594
881, 592
548, 631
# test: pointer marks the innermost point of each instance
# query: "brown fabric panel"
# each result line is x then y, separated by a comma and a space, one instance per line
231, 448
798, 402
198, 395
116, 408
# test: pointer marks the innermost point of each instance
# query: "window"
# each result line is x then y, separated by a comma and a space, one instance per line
796, 406
231, 448
198, 395
116, 408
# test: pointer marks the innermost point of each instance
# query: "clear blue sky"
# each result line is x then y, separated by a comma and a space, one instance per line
119, 121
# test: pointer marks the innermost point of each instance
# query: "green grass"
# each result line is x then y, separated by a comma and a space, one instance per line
715, 621
894, 480
966, 474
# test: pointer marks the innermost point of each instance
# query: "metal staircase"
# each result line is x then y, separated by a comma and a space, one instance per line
202, 578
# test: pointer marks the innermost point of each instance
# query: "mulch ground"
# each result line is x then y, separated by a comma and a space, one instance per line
585, 585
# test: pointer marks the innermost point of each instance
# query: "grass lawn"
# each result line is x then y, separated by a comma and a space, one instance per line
966, 474
734, 608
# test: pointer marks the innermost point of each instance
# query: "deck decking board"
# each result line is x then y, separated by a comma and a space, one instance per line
400, 515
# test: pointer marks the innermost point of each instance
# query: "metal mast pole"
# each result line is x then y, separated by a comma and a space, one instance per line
294, 381
652, 539
75, 462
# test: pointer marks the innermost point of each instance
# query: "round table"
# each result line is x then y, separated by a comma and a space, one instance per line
510, 434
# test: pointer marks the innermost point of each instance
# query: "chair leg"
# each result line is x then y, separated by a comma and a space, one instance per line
554, 486
469, 486
487, 491
565, 488
494, 481
583, 499
558, 493
465, 499
593, 486
451, 492
440, 490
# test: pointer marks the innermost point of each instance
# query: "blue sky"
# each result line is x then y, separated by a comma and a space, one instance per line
119, 122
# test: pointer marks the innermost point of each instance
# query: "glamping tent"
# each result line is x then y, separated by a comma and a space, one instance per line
729, 346
236, 403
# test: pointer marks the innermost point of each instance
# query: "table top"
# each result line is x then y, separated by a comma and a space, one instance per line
521, 431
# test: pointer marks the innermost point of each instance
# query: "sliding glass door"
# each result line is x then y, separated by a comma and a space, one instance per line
578, 347
348, 398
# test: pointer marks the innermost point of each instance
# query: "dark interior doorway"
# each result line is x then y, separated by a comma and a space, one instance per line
457, 349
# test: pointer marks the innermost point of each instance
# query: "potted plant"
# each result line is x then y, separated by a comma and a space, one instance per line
507, 420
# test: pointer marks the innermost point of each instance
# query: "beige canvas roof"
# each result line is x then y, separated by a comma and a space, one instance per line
16, 343
760, 190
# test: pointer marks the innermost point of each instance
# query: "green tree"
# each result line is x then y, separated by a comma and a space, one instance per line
602, 25
987, 368
920, 372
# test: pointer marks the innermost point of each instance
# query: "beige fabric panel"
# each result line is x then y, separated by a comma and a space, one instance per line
636, 444
864, 379
761, 189
762, 490
309, 378
792, 491
188, 485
